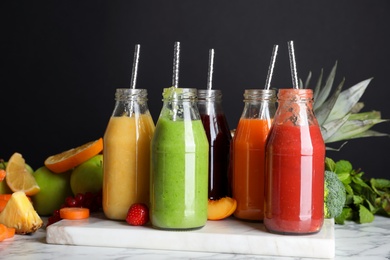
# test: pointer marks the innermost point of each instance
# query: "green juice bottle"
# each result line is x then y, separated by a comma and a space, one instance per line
179, 164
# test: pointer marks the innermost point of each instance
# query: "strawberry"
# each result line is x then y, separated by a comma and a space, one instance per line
138, 214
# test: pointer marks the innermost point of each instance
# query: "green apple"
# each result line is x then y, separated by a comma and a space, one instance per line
4, 189
54, 190
88, 176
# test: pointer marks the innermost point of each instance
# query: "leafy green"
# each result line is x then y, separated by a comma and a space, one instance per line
364, 197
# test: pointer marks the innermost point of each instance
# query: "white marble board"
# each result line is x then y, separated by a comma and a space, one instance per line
223, 236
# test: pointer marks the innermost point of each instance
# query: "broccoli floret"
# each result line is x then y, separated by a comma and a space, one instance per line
334, 195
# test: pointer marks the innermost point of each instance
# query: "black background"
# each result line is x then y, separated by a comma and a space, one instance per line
63, 60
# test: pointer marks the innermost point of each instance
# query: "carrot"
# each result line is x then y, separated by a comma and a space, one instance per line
3, 232
5, 196
74, 213
2, 174
3, 203
10, 232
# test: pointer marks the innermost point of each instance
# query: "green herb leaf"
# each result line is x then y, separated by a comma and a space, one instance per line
365, 216
343, 166
330, 165
357, 200
346, 214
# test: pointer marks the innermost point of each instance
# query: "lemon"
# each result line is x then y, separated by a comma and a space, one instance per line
19, 178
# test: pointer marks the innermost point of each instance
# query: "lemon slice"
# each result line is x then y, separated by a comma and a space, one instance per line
19, 178
69, 159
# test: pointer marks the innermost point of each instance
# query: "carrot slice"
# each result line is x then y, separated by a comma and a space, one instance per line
74, 213
5, 196
10, 232
3, 232
3, 203
2, 174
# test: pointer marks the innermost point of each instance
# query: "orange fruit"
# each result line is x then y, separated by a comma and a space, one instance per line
69, 159
220, 209
19, 178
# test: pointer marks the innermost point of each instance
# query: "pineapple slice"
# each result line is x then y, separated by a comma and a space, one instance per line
20, 214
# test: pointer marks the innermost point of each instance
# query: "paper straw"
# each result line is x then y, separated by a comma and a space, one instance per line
293, 65
135, 66
176, 61
271, 67
210, 69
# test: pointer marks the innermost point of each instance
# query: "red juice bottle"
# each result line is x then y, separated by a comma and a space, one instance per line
219, 137
295, 158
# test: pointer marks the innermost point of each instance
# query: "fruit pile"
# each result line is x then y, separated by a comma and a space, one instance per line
67, 186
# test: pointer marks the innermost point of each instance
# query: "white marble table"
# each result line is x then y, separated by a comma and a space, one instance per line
353, 241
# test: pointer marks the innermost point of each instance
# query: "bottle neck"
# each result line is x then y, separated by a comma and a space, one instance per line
180, 104
210, 101
130, 102
259, 104
260, 95
296, 107
128, 94
209, 95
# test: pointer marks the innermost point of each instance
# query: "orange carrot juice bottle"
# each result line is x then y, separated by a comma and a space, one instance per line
249, 153
126, 153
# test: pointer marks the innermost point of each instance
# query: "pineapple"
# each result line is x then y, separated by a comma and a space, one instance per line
339, 115
19, 213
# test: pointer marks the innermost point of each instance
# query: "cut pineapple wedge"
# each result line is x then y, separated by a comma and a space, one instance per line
20, 214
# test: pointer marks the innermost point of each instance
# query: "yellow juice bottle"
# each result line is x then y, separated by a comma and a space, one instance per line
126, 153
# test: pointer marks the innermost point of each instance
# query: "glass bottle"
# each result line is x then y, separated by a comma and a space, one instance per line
295, 158
249, 153
126, 153
219, 137
179, 164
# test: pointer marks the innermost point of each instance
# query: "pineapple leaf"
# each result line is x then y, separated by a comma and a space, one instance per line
370, 133
318, 85
365, 115
324, 110
356, 108
336, 149
325, 91
328, 129
355, 127
300, 84
347, 100
308, 79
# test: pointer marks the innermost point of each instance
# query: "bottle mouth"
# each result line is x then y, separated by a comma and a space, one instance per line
259, 94
122, 94
176, 94
209, 94
295, 94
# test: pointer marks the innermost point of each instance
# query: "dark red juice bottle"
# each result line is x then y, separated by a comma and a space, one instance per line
219, 137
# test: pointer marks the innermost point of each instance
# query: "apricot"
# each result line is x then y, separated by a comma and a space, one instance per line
220, 209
